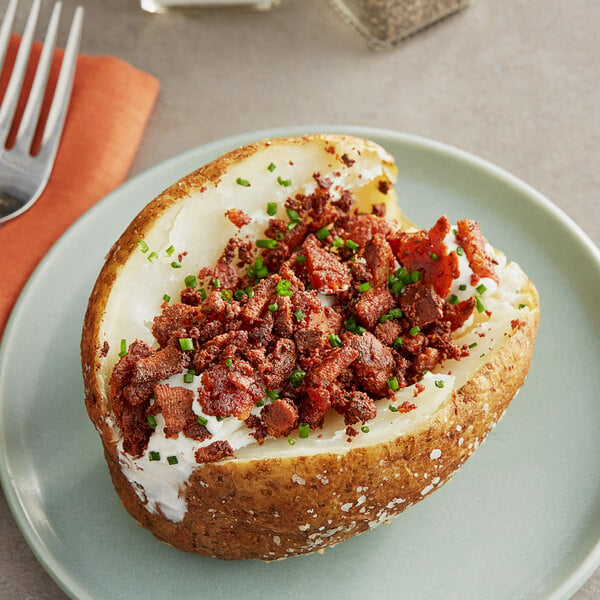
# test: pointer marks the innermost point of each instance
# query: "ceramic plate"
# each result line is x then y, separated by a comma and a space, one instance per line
521, 520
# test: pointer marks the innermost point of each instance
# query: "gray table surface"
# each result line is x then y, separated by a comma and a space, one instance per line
516, 82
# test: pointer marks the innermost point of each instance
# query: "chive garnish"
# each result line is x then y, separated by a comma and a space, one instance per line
202, 420
481, 288
296, 377
242, 182
151, 420
414, 330
479, 304
299, 315
393, 408
284, 182
123, 350
188, 377
216, 283
334, 340
433, 256
292, 214
266, 244
239, 294
186, 344
439, 383
271, 208
365, 429
271, 167
397, 343
143, 246
462, 287
170, 250
272, 395
176, 265
283, 288
191, 281
473, 345
226, 295
393, 383
152, 256
364, 287
300, 259
453, 299
338, 242
166, 298
460, 251
352, 245
172, 460
229, 362
322, 233
303, 430
273, 307
291, 441
153, 455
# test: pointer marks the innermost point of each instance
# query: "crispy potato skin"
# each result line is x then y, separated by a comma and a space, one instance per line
277, 507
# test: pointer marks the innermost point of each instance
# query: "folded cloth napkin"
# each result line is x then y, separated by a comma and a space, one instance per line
110, 106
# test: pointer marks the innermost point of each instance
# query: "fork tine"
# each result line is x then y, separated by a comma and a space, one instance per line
36, 95
62, 93
11, 97
6, 30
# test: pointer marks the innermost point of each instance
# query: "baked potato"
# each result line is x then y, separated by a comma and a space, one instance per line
276, 359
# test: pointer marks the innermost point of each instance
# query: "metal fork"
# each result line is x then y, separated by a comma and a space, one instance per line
23, 176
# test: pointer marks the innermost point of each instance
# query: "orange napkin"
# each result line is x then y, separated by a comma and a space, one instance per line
110, 106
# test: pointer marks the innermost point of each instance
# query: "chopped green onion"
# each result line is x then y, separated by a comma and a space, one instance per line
123, 350
176, 265
239, 294
352, 245
249, 292
416, 276
291, 441
397, 343
522, 305
172, 460
293, 215
151, 420
453, 299
260, 403
365, 429
272, 395
433, 256
143, 246
414, 330
481, 288
279, 236
153, 455
296, 377
395, 313
393, 408
337, 242
226, 295
283, 288
284, 182
261, 272
479, 304
170, 250
322, 233
439, 383
273, 307
393, 384
303, 430
216, 283
364, 287
462, 287
202, 420
271, 208
228, 362
266, 243
186, 344
191, 281
299, 315
203, 294
166, 298
300, 259
188, 377
243, 182
460, 251
473, 345
292, 225
334, 340
351, 326
152, 256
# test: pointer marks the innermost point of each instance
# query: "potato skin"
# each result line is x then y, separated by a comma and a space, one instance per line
274, 508
277, 507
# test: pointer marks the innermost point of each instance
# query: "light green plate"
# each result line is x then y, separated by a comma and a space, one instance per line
521, 520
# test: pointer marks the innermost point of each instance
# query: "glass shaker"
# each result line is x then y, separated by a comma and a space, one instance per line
385, 23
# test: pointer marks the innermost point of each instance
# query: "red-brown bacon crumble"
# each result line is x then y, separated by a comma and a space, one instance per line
260, 333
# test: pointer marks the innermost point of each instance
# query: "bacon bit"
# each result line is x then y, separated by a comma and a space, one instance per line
419, 388
175, 404
426, 252
517, 324
105, 349
457, 314
471, 240
317, 406
406, 407
238, 217
325, 270
280, 418
213, 452
383, 186
330, 149
160, 365
322, 182
347, 160
351, 432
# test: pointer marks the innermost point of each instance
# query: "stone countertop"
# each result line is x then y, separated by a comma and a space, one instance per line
514, 82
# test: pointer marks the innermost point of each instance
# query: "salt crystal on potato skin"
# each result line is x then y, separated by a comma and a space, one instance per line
255, 507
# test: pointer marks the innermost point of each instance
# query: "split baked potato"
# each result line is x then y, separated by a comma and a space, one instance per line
276, 359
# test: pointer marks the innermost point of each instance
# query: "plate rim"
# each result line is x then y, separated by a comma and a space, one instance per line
49, 562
